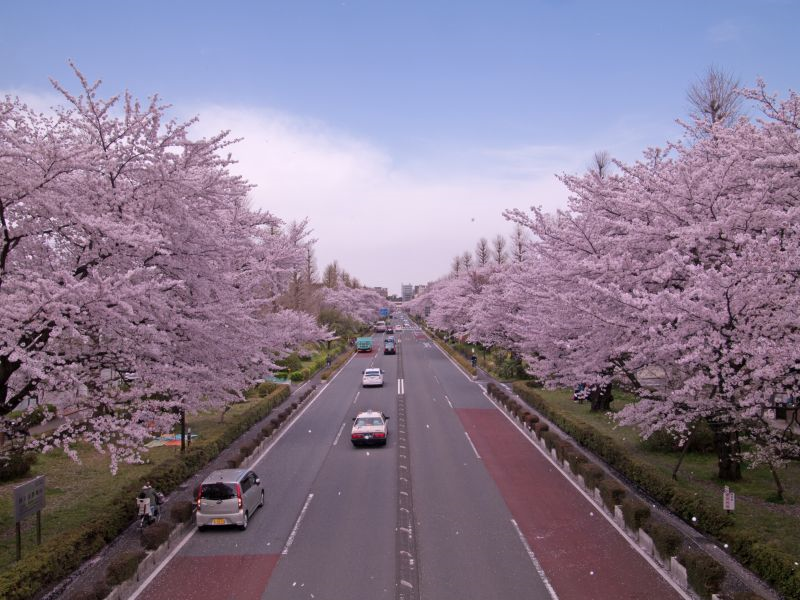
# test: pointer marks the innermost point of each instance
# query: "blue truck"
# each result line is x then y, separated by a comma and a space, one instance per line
364, 344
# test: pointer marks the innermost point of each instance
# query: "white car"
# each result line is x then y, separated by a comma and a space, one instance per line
372, 377
369, 428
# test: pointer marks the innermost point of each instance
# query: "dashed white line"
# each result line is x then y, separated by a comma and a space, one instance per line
535, 561
474, 449
297, 525
338, 435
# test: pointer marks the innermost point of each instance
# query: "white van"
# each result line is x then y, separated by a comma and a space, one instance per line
228, 497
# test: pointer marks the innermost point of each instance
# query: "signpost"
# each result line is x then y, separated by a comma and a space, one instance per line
728, 500
29, 499
384, 312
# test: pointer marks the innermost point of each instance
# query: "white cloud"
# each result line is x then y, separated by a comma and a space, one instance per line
724, 31
384, 224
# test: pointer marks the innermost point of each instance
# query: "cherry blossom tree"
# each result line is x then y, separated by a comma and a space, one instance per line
358, 303
687, 260
135, 282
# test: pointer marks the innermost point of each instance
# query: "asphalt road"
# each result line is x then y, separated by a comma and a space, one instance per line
457, 505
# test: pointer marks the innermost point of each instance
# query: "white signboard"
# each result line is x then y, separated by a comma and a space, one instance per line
28, 498
728, 499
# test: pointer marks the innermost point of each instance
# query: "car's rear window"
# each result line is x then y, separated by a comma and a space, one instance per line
217, 491
372, 372
368, 421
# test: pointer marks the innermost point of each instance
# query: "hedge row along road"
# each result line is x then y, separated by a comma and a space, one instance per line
492, 518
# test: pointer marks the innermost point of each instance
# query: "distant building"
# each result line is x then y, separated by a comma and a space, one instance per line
407, 291
419, 289
382, 291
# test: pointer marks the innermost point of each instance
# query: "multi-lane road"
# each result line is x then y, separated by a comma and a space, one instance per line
458, 505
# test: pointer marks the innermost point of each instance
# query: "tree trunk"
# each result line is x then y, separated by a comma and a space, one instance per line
778, 486
684, 450
601, 398
726, 444
183, 431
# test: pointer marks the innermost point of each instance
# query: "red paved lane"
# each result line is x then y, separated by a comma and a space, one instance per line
583, 556
240, 577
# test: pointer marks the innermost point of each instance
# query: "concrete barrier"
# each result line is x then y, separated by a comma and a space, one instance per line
678, 572
646, 542
618, 517
150, 562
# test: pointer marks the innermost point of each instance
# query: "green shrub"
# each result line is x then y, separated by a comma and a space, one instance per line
611, 492
549, 439
692, 509
154, 535
291, 362
701, 440
575, 459
267, 430
747, 596
666, 538
705, 574
99, 591
233, 463
592, 475
15, 465
635, 513
182, 511
539, 428
529, 419
123, 567
297, 376
246, 449
52, 561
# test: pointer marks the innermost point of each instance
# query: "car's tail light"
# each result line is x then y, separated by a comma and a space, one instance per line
357, 436
199, 496
239, 495
380, 434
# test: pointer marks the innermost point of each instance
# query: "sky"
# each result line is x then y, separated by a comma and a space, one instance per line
403, 130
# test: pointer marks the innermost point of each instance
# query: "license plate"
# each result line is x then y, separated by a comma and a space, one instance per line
218, 521
368, 436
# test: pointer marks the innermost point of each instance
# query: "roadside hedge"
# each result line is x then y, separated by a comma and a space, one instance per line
124, 566
705, 574
457, 356
61, 555
775, 567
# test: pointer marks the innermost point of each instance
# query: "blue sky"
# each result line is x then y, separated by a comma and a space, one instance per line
403, 129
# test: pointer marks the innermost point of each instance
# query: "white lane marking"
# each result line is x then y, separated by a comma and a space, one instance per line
535, 561
292, 535
401, 388
437, 380
450, 403
182, 543
591, 501
163, 564
338, 435
474, 449
356, 398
